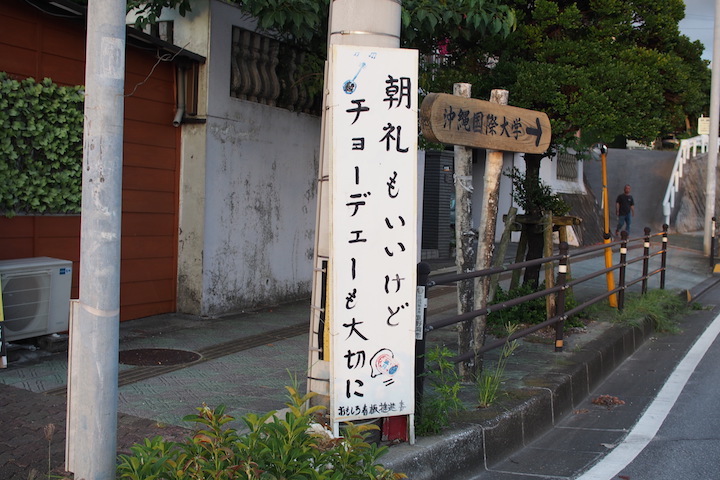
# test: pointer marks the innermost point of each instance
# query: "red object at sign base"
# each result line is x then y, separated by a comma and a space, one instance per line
395, 428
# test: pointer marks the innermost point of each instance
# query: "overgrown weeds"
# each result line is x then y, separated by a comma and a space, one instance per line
442, 389
662, 307
490, 379
49, 431
530, 312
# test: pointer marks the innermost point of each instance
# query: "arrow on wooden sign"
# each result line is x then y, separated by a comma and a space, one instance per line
477, 123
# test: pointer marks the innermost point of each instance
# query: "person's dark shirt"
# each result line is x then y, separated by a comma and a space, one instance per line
624, 202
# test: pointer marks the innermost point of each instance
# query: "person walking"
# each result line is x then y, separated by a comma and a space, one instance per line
624, 209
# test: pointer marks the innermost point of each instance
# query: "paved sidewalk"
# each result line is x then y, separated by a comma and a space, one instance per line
246, 360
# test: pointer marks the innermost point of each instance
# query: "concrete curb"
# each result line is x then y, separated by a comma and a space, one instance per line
702, 287
472, 443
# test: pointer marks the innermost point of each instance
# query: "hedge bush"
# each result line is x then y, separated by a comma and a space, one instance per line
41, 136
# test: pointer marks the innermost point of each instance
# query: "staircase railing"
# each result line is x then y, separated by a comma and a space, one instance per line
688, 148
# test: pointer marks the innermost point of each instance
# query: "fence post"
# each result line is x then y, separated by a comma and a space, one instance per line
560, 303
646, 259
623, 266
423, 274
712, 243
663, 257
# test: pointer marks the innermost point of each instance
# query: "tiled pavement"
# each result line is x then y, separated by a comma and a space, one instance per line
247, 375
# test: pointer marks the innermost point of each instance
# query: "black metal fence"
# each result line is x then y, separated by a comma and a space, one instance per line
560, 262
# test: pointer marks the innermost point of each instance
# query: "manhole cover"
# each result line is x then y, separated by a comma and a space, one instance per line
157, 356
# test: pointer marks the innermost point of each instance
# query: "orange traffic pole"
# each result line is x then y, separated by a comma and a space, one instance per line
609, 276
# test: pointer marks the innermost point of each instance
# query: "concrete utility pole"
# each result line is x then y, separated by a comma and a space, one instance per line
93, 382
370, 23
714, 124
373, 23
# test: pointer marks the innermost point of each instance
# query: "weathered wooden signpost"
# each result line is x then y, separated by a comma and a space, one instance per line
497, 127
477, 123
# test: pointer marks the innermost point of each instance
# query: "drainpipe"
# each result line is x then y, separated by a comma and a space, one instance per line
181, 93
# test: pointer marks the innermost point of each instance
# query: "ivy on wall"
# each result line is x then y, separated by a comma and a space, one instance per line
41, 135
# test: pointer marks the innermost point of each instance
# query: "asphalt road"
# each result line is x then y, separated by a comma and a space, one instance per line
663, 422
679, 434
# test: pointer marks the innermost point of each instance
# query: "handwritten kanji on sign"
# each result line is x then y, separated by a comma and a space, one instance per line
481, 124
373, 176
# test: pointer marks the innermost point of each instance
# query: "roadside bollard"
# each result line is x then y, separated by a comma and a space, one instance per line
423, 275
712, 244
623, 265
560, 302
663, 257
646, 259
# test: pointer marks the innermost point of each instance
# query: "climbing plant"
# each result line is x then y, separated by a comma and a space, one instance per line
41, 132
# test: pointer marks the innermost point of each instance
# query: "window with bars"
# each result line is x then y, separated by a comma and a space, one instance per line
567, 167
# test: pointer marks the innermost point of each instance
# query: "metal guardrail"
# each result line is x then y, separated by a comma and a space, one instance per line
561, 260
688, 148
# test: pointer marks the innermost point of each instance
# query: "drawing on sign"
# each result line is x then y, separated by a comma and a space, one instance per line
384, 363
373, 257
350, 85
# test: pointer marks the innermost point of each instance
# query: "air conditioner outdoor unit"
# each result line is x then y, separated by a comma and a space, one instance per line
35, 296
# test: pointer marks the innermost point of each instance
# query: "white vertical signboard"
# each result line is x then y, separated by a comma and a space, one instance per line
373, 176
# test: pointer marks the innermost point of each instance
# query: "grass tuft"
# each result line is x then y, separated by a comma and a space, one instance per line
662, 307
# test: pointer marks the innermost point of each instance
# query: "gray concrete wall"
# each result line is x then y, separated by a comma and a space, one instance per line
248, 201
261, 169
647, 172
690, 203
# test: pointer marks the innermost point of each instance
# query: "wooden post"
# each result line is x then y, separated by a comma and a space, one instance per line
486, 232
456, 120
464, 241
519, 256
547, 225
500, 253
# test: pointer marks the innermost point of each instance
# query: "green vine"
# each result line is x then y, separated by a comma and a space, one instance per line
41, 133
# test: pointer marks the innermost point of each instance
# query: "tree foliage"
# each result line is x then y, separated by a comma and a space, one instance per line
426, 24
606, 68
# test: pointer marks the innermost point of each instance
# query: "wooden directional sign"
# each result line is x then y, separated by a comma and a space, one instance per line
477, 123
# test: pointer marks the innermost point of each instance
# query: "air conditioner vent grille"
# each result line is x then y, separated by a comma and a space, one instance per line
35, 296
25, 301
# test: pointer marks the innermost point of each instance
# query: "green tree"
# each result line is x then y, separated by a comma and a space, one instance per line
606, 68
600, 69
426, 24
